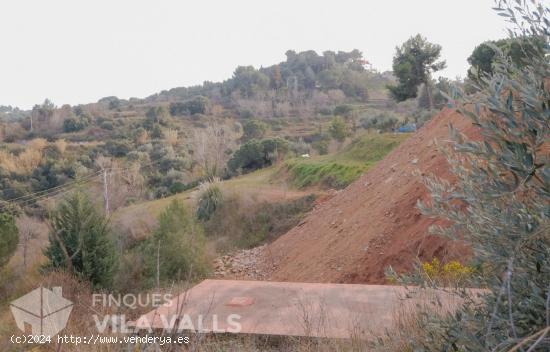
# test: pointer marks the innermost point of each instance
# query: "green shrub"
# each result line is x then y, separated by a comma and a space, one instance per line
321, 146
254, 129
80, 241
338, 129
422, 116
118, 148
343, 110
52, 173
255, 154
210, 199
383, 121
176, 248
74, 124
196, 105
155, 115
177, 187
9, 237
107, 125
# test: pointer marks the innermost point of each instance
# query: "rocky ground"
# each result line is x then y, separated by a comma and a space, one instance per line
243, 264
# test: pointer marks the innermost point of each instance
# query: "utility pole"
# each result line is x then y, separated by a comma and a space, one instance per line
158, 266
105, 193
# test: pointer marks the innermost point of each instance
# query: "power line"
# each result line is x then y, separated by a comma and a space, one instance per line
49, 189
61, 189
52, 193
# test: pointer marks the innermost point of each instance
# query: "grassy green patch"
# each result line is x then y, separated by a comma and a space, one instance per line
324, 173
344, 167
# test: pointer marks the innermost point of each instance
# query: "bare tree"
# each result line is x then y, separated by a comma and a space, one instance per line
122, 182
210, 146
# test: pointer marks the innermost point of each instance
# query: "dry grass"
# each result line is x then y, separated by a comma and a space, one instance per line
38, 144
142, 137
410, 322
171, 137
81, 322
25, 162
61, 146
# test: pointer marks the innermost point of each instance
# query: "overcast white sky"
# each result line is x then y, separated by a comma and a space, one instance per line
79, 51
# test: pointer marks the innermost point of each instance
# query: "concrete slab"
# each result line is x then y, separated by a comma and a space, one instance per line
291, 309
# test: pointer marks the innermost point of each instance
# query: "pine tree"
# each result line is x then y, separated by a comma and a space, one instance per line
80, 240
413, 65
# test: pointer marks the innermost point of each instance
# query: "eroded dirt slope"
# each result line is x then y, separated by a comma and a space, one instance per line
374, 222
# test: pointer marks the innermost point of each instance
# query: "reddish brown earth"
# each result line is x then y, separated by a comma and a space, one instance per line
373, 223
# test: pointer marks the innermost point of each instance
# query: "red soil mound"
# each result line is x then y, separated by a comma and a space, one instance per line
373, 223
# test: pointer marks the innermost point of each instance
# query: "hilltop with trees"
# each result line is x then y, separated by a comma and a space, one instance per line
300, 169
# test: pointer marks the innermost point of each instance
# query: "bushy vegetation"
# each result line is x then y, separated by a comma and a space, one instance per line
118, 148
257, 154
321, 143
254, 129
175, 251
379, 120
448, 274
196, 105
339, 129
486, 54
34, 167
241, 223
156, 115
210, 199
9, 237
343, 110
80, 241
499, 204
74, 124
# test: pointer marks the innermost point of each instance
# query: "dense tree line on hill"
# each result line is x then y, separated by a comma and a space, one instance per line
305, 75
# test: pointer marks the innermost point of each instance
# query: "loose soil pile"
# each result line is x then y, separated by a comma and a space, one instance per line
373, 223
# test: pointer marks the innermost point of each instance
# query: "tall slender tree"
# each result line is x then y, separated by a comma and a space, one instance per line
413, 64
